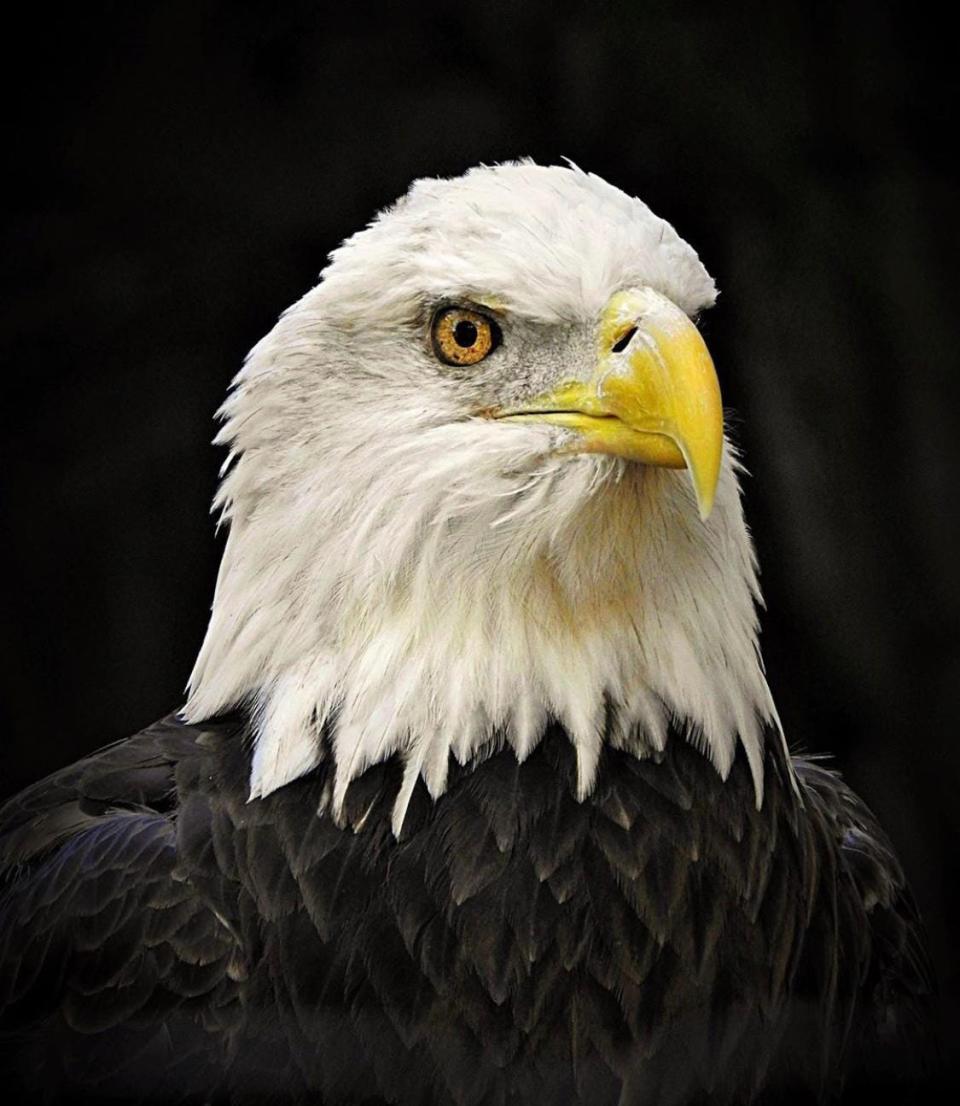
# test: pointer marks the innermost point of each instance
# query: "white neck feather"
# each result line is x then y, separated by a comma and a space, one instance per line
431, 601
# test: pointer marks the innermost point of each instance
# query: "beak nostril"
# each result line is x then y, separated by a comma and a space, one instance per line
623, 341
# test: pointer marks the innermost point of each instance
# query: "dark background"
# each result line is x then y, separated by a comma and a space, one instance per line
180, 173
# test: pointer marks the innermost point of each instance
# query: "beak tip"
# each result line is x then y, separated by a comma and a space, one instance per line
704, 473
705, 501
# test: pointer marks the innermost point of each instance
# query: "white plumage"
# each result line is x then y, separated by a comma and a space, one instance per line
428, 579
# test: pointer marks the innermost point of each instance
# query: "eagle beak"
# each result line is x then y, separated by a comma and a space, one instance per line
653, 396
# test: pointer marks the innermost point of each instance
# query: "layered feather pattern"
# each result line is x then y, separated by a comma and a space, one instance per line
661, 942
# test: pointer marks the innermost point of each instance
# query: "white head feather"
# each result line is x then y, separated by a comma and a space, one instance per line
417, 579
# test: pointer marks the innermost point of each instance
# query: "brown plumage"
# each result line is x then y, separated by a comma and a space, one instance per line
662, 942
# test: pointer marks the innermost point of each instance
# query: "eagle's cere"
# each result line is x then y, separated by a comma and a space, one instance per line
479, 796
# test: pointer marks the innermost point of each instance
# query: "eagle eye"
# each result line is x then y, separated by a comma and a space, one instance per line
462, 336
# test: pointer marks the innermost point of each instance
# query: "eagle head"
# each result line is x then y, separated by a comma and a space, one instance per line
478, 484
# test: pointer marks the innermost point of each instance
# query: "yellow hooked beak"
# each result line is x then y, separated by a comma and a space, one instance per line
653, 396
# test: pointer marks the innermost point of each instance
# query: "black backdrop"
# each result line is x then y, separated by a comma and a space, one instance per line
181, 171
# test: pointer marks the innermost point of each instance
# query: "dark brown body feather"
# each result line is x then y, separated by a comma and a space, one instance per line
663, 942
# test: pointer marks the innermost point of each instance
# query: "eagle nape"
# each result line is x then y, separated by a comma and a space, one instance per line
479, 794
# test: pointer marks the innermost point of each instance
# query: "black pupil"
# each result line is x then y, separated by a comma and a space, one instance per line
465, 333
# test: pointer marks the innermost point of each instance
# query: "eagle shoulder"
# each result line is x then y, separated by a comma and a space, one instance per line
878, 972
108, 949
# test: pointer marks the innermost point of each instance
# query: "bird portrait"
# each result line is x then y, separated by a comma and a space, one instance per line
478, 794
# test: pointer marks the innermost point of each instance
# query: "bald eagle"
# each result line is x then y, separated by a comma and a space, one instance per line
479, 795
